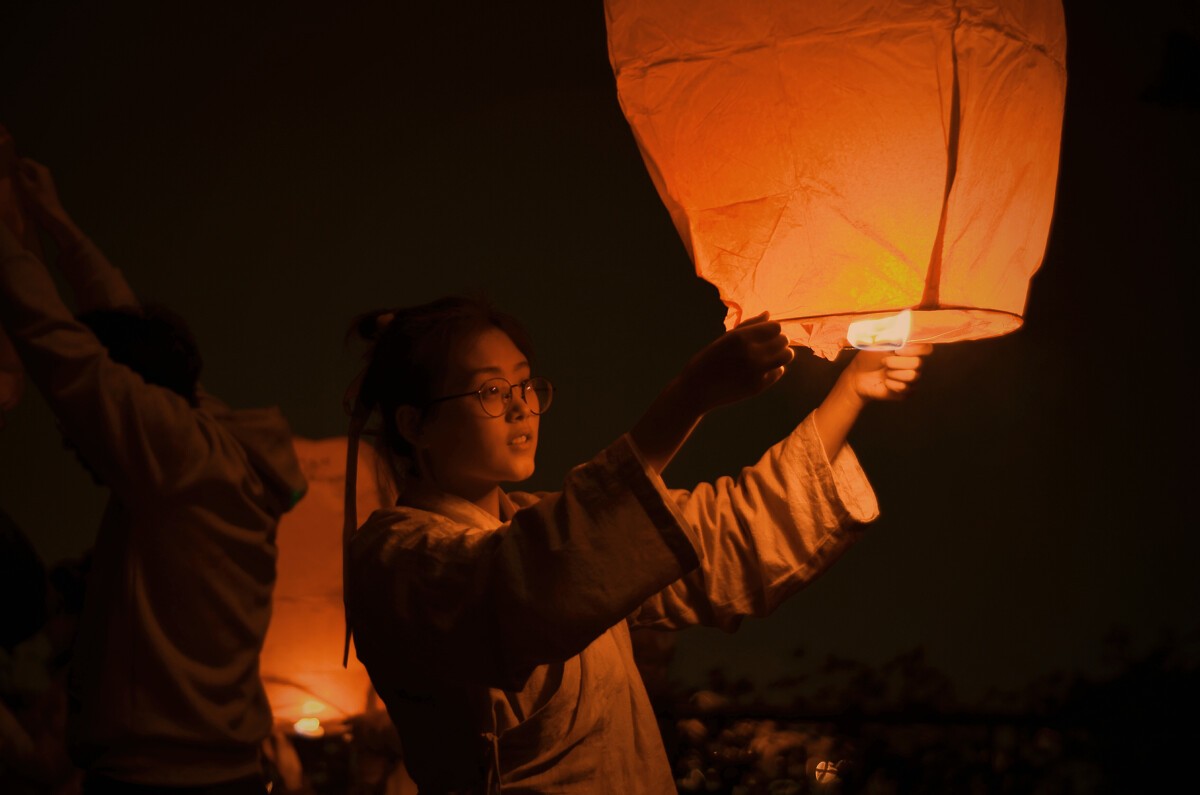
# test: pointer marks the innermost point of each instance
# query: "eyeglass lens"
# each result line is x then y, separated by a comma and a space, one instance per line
496, 393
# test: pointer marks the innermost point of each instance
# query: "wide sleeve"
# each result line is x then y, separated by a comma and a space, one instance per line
141, 440
431, 597
765, 534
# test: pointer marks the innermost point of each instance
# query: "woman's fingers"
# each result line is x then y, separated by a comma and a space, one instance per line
915, 349
909, 358
760, 331
907, 376
779, 357
771, 376
759, 318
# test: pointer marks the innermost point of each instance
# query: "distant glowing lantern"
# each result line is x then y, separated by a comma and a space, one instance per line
301, 660
833, 161
826, 772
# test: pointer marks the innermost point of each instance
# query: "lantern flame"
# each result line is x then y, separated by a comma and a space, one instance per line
880, 333
309, 727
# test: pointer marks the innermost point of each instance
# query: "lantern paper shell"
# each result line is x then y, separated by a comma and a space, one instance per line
301, 660
835, 160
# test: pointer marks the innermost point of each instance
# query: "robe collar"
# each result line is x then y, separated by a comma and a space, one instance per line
422, 495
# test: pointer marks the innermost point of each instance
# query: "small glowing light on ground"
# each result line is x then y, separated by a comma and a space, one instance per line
309, 727
881, 333
827, 772
312, 708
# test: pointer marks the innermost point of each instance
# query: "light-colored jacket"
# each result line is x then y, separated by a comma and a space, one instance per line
164, 682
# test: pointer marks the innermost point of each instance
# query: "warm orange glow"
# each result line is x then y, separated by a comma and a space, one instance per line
832, 160
301, 660
312, 708
882, 333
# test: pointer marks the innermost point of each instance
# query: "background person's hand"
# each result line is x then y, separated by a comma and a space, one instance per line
40, 196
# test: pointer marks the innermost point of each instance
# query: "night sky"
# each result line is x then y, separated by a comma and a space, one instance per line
270, 171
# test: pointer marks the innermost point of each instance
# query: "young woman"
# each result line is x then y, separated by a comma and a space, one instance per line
495, 625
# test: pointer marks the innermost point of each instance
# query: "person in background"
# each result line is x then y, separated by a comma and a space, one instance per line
164, 687
495, 625
35, 632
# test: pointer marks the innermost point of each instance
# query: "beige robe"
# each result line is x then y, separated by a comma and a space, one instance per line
502, 649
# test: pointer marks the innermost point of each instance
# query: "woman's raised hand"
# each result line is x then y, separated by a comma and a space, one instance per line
41, 196
886, 375
739, 364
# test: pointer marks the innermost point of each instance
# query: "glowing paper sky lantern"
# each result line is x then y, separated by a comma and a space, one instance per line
301, 661
839, 160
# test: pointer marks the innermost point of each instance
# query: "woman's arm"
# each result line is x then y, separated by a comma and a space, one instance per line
870, 375
488, 604
740, 363
785, 520
765, 533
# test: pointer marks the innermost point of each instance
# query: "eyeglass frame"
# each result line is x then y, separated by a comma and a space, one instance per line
523, 384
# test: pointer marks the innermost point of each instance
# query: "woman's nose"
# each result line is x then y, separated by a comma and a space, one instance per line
517, 407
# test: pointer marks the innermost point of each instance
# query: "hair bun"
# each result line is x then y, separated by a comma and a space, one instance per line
370, 326
384, 319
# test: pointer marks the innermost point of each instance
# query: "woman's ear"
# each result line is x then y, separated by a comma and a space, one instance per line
408, 423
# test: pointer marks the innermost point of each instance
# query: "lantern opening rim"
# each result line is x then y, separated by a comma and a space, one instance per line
940, 324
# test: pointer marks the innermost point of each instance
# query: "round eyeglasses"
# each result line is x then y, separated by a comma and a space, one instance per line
495, 395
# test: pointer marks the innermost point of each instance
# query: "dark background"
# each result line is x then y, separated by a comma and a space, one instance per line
272, 169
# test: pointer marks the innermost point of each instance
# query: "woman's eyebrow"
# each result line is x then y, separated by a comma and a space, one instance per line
496, 370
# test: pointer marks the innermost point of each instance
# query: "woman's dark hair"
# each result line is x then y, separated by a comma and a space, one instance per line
154, 342
407, 358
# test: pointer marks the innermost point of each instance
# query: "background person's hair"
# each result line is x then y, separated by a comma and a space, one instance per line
154, 342
408, 352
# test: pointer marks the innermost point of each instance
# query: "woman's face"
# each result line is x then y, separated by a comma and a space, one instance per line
464, 450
